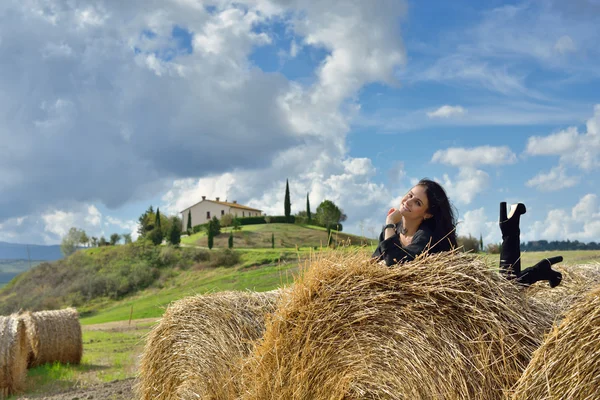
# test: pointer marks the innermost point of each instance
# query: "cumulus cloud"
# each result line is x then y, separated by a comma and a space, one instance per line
476, 223
581, 222
467, 185
475, 156
470, 180
553, 180
580, 149
140, 109
447, 111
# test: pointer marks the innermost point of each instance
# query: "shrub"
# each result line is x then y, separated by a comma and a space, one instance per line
224, 258
468, 243
493, 248
168, 256
227, 220
197, 255
198, 228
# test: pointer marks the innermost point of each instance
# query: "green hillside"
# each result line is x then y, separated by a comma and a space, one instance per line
107, 277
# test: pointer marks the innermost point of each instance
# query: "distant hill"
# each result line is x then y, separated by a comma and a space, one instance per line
13, 251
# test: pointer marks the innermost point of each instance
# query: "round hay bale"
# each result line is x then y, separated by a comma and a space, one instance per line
13, 355
441, 327
577, 281
193, 351
54, 336
567, 364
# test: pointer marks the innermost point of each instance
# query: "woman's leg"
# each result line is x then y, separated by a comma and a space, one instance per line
510, 254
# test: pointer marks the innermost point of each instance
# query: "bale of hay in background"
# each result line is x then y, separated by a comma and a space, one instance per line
198, 342
54, 336
441, 327
577, 281
13, 355
567, 364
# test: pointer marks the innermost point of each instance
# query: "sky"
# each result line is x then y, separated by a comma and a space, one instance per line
109, 106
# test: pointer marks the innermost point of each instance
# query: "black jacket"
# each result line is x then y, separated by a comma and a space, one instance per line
392, 252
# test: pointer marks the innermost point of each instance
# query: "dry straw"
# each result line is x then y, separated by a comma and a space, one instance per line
54, 336
567, 364
194, 350
13, 355
577, 281
442, 327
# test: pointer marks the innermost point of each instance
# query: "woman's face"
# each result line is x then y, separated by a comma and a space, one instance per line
414, 204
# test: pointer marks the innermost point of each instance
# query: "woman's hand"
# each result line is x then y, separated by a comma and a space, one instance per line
393, 217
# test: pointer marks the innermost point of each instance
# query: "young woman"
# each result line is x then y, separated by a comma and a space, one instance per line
424, 221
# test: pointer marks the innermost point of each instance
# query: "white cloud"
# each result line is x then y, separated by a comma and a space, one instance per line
141, 112
586, 209
475, 156
476, 224
582, 222
558, 143
555, 179
93, 216
574, 148
447, 111
467, 185
59, 222
564, 45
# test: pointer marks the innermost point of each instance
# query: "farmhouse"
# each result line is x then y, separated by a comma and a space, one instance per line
204, 210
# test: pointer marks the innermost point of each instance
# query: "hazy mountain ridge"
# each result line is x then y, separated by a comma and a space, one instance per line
14, 251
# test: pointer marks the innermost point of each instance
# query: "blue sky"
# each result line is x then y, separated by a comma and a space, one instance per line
119, 106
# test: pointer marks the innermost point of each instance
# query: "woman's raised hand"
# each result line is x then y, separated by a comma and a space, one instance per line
393, 217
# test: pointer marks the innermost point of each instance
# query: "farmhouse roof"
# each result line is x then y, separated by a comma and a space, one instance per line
225, 203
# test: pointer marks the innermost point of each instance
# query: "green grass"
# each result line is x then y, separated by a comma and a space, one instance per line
152, 302
108, 355
570, 257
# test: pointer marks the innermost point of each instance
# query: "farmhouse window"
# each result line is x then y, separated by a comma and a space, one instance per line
208, 215
243, 213
222, 212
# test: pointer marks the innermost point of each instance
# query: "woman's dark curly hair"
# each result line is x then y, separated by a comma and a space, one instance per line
443, 222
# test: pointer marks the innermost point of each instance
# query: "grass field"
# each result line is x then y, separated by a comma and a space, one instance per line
112, 349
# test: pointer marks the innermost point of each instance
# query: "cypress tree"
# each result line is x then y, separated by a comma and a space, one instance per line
287, 203
272, 240
189, 222
230, 242
157, 221
211, 235
308, 209
480, 242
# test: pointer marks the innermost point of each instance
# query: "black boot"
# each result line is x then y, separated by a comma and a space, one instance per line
542, 271
510, 255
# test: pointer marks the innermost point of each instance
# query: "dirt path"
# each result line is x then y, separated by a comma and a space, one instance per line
120, 326
116, 390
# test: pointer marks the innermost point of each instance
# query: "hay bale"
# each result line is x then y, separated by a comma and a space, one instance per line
54, 336
197, 343
442, 327
13, 355
577, 281
567, 364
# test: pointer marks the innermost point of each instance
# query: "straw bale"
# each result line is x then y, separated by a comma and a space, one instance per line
54, 336
444, 326
13, 355
198, 342
577, 281
567, 364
